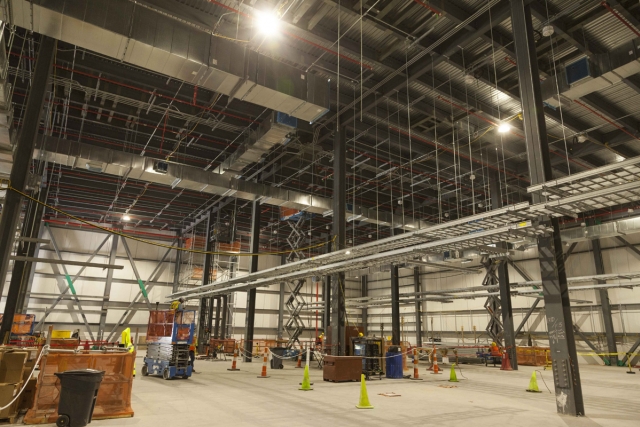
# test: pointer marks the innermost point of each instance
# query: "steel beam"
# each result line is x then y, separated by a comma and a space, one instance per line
250, 315
607, 318
628, 245
73, 280
364, 290
130, 311
22, 155
568, 389
526, 316
67, 262
283, 260
326, 294
54, 243
107, 287
338, 344
417, 287
143, 289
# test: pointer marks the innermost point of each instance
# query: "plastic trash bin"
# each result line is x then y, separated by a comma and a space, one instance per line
276, 362
78, 392
394, 365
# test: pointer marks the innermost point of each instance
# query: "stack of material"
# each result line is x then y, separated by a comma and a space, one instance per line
532, 356
28, 395
12, 366
114, 395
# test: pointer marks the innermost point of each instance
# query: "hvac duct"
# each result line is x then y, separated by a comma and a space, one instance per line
584, 76
118, 163
138, 35
273, 131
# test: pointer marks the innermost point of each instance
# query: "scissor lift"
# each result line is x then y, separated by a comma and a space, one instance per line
169, 335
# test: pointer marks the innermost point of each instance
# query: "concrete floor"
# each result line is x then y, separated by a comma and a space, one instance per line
488, 396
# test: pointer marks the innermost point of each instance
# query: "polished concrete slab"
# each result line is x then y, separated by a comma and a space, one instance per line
484, 396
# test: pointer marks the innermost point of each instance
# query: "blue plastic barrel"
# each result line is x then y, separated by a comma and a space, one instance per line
394, 365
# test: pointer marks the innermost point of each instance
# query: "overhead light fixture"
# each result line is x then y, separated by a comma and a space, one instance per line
547, 30
504, 127
469, 79
348, 252
126, 217
582, 138
267, 23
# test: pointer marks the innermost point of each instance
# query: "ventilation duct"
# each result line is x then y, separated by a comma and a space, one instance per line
166, 44
274, 131
584, 76
118, 163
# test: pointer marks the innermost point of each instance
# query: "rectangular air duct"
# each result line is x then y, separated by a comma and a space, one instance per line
137, 35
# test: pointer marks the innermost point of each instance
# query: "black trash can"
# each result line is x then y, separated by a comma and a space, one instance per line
78, 392
276, 357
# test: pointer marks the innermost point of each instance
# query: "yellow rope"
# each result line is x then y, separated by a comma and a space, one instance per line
149, 242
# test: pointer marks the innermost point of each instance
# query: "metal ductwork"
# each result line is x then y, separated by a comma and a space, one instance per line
273, 131
167, 44
128, 165
584, 76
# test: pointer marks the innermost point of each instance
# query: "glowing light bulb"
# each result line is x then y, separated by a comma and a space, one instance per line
126, 217
267, 23
504, 128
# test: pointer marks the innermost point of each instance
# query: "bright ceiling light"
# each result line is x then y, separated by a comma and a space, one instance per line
267, 23
504, 127
347, 252
126, 217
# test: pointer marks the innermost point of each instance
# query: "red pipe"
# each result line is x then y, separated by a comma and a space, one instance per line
620, 18
426, 6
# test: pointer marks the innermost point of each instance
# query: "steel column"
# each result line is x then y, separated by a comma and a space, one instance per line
566, 374
178, 263
364, 314
606, 305
206, 303
250, 315
31, 229
19, 172
506, 308
395, 306
417, 287
338, 344
326, 295
223, 319
216, 328
283, 260
107, 287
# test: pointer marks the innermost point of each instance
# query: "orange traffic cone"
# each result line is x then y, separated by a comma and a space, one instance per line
263, 374
436, 370
235, 359
506, 363
299, 365
416, 374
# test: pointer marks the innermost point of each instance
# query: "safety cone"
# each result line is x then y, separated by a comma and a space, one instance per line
452, 374
235, 359
364, 397
306, 385
263, 374
299, 365
533, 384
416, 374
436, 370
506, 363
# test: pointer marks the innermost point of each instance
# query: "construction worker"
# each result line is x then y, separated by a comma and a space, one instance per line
192, 352
128, 345
178, 305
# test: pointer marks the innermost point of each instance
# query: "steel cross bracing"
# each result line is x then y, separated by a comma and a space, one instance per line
295, 326
602, 187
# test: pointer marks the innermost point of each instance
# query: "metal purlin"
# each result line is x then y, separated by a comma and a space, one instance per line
295, 303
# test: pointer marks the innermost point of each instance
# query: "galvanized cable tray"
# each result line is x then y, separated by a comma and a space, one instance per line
599, 188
